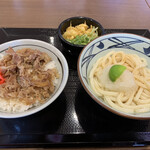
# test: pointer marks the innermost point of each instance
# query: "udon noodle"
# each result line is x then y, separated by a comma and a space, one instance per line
131, 100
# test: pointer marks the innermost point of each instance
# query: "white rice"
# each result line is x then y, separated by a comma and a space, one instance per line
51, 65
13, 105
1, 56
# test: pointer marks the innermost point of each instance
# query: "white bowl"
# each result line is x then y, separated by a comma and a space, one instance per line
129, 43
61, 65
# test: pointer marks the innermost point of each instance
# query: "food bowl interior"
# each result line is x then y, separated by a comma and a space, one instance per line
128, 43
79, 20
60, 63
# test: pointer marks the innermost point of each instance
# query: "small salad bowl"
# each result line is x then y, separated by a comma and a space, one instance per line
75, 49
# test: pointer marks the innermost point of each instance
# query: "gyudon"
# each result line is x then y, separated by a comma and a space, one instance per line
27, 78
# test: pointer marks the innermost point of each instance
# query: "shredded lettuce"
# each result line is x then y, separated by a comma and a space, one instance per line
85, 38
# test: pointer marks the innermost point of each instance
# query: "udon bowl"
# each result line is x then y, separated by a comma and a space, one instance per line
56, 56
128, 43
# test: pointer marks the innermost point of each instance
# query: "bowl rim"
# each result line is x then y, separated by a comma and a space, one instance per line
77, 17
65, 71
119, 113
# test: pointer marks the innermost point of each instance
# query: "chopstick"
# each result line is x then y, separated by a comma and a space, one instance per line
147, 3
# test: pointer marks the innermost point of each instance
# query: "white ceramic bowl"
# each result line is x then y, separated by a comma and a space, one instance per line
61, 65
129, 43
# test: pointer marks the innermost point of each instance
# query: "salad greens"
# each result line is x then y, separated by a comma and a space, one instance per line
85, 38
